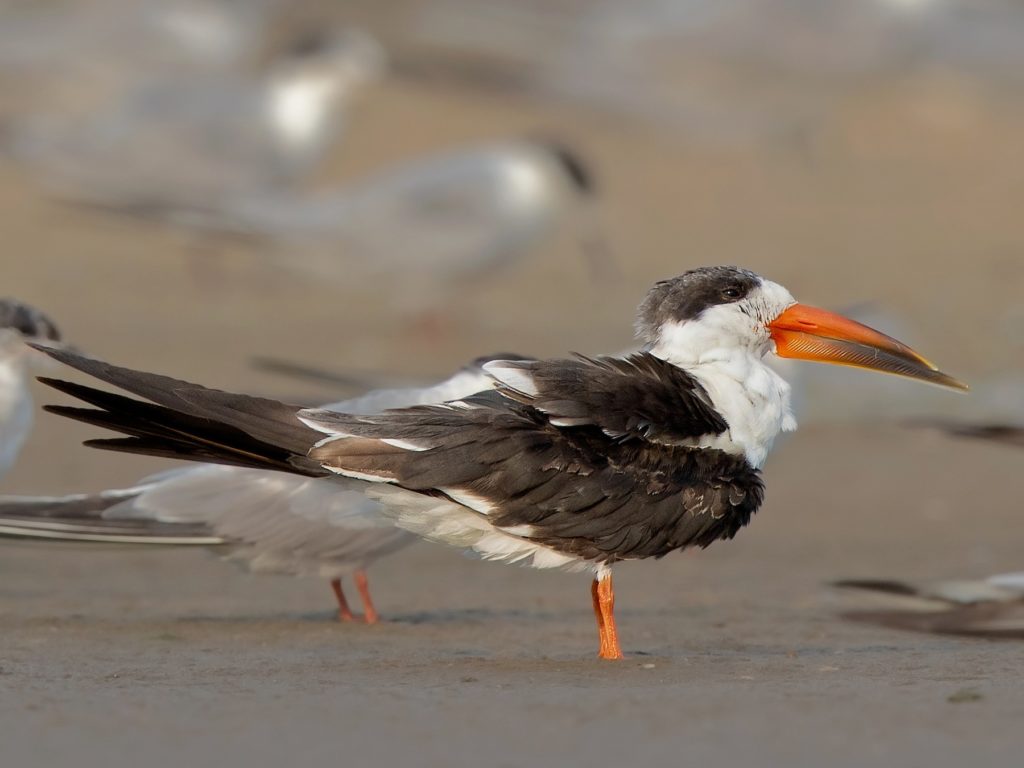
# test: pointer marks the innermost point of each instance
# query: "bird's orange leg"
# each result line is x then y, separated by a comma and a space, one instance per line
344, 612
604, 607
599, 615
363, 585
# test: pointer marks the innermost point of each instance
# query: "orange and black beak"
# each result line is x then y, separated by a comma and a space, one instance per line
808, 333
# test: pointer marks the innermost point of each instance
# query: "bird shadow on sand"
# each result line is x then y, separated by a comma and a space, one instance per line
304, 617
411, 618
473, 615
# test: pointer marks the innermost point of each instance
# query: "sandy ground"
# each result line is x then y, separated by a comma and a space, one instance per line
907, 195
735, 654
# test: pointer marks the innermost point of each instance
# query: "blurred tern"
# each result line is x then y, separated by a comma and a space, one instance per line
269, 521
448, 215
18, 323
575, 463
989, 608
170, 146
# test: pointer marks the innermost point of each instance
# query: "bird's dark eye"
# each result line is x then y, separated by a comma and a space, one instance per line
732, 293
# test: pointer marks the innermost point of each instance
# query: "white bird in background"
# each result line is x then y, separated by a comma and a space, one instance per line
172, 145
992, 607
19, 322
448, 215
989, 607
268, 521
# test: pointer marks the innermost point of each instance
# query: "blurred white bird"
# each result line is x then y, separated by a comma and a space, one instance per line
19, 322
268, 521
448, 215
173, 144
991, 607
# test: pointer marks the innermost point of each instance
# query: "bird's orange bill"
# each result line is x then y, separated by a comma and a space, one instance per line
808, 333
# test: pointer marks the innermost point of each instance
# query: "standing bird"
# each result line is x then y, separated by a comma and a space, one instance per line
19, 323
269, 521
569, 463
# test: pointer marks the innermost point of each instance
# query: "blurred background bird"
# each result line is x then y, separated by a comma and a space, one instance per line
270, 522
989, 607
169, 145
437, 218
992, 607
19, 323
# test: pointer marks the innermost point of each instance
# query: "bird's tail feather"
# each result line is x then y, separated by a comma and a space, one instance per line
187, 421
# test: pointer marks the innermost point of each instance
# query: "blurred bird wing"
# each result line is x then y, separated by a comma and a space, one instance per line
275, 521
467, 381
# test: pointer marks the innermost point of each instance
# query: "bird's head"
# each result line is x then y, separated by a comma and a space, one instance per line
20, 322
27, 321
708, 313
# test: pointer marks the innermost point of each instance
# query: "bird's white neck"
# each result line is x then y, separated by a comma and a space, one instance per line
752, 398
301, 110
15, 406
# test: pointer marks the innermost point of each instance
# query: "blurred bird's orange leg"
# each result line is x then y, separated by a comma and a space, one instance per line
363, 585
344, 612
604, 608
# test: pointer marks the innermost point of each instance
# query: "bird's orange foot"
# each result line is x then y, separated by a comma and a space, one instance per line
363, 585
604, 610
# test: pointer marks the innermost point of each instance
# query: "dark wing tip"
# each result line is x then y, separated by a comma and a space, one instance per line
1011, 434
887, 586
575, 167
62, 354
67, 387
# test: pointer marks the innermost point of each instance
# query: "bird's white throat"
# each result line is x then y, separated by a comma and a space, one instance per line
752, 398
300, 109
15, 406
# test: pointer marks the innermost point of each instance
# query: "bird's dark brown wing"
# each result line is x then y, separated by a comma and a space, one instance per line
636, 396
576, 488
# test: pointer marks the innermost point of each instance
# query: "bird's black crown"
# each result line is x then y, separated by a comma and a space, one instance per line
27, 320
685, 297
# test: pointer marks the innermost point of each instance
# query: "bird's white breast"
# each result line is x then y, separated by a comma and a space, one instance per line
752, 398
15, 410
298, 109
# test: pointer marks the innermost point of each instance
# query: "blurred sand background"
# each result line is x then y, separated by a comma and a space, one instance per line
906, 193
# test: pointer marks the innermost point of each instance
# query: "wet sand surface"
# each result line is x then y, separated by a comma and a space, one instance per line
908, 195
